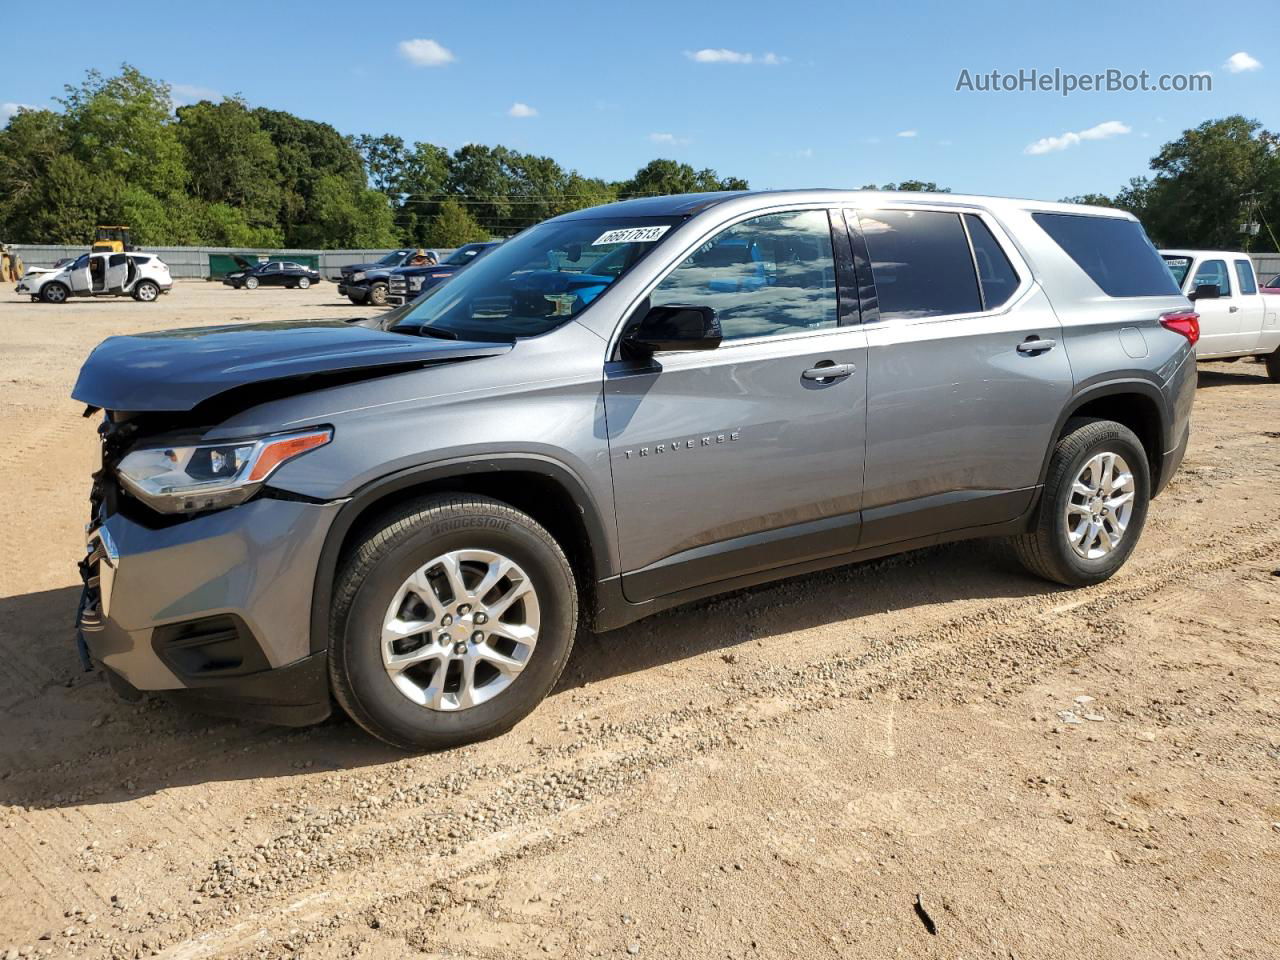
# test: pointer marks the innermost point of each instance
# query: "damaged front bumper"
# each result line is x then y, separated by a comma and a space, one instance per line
214, 610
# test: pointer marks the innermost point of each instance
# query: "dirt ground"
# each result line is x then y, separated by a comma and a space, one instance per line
777, 773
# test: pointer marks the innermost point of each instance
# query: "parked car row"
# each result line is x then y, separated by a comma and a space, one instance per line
626, 408
380, 285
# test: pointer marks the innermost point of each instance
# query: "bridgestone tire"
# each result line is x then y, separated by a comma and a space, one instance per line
383, 557
1045, 549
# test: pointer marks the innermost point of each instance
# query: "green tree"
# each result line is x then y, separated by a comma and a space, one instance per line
1203, 179
231, 159
68, 202
384, 159
29, 144
453, 226
122, 127
344, 215
663, 177
911, 186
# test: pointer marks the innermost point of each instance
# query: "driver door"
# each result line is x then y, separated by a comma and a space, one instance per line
81, 281
744, 458
1219, 318
272, 274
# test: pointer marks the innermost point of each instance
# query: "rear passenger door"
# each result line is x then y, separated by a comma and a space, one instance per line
966, 373
1252, 312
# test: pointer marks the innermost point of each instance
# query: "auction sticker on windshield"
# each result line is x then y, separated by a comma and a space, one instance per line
631, 235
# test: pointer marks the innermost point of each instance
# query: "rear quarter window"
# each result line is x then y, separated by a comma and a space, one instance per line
1114, 252
1244, 273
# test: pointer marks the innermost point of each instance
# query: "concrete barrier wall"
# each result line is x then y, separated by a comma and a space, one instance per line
194, 261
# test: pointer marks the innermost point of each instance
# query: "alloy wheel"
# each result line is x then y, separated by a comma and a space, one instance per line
1100, 505
460, 629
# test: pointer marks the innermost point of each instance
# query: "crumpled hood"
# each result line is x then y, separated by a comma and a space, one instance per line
178, 369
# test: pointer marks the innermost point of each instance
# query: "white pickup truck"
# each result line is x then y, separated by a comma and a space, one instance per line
1236, 319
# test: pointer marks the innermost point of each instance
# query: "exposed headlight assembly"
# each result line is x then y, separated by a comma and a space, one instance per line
211, 475
357, 276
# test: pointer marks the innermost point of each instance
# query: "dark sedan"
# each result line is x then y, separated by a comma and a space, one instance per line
277, 273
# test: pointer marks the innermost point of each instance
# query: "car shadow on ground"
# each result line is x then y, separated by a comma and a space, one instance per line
1252, 373
70, 741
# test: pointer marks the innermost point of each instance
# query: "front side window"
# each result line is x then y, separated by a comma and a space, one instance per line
996, 276
769, 275
1113, 251
272, 268
921, 263
1214, 272
536, 281
1244, 273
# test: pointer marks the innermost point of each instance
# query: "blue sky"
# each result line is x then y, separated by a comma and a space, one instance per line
786, 94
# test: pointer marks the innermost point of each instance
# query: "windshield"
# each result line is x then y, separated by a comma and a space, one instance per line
1178, 266
536, 281
393, 258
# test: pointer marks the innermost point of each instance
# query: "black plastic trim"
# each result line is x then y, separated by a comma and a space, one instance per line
766, 550
296, 695
370, 493
954, 510
1096, 390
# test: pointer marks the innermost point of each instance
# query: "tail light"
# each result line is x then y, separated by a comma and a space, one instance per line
1185, 322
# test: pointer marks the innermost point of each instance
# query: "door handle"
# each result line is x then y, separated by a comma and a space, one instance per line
826, 371
1034, 345
1233, 309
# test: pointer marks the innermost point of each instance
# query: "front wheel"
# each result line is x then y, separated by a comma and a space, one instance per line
251, 283
54, 293
378, 294
452, 619
146, 291
1093, 506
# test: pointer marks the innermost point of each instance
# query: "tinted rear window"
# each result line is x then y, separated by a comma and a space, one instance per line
1115, 253
996, 275
921, 263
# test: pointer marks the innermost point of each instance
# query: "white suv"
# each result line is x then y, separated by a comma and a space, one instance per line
143, 276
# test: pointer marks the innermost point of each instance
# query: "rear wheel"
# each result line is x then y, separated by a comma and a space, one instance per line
251, 283
1093, 506
1272, 360
452, 619
54, 293
304, 282
146, 291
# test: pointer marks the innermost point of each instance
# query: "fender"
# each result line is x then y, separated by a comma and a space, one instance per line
1106, 388
372, 492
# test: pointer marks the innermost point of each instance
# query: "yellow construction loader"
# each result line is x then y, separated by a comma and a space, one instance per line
111, 240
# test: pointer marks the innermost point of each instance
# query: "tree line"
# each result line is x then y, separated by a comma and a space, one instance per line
228, 174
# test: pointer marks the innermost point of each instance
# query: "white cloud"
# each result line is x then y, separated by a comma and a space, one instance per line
519, 109
426, 53
8, 109
1241, 62
1102, 131
805, 154
721, 55
185, 93
669, 139
908, 133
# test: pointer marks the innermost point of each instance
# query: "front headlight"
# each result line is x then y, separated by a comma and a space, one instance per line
357, 276
211, 475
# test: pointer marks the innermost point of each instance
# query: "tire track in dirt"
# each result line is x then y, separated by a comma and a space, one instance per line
356, 847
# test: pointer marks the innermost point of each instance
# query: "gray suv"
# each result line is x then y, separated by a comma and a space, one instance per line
620, 410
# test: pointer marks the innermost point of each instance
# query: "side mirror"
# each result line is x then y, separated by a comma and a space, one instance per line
1205, 291
676, 327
